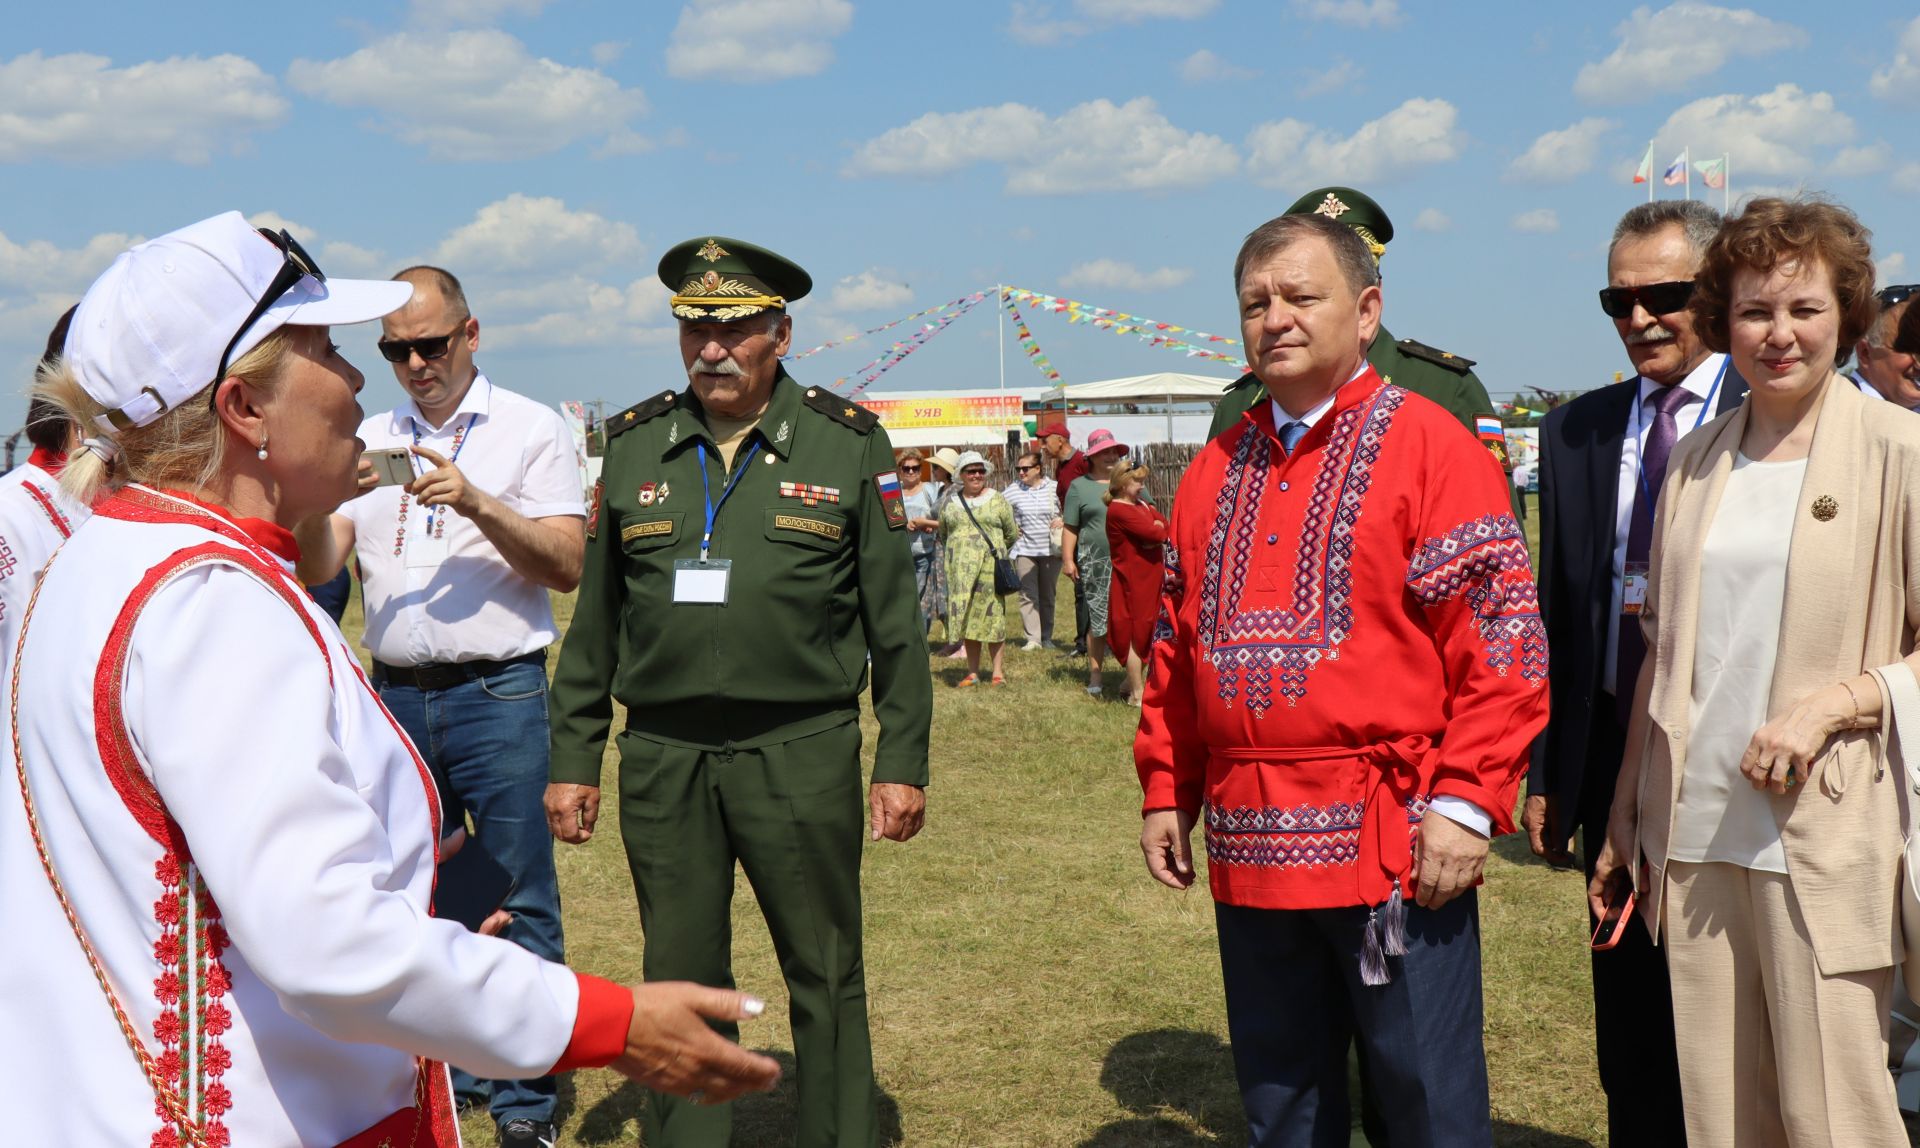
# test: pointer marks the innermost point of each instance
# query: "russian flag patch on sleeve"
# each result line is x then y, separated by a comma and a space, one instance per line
887, 485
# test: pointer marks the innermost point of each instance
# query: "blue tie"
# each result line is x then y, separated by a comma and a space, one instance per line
1291, 434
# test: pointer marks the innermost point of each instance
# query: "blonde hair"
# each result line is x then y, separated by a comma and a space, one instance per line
1124, 472
184, 447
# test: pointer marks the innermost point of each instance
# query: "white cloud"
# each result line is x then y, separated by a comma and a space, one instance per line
1852, 161
1540, 221
753, 41
523, 233
1096, 146
1664, 51
80, 108
472, 95
1901, 78
1354, 13
1907, 179
608, 52
1418, 133
1341, 74
1432, 219
40, 266
1113, 273
1564, 155
1134, 11
1774, 133
1033, 24
574, 312
1206, 66
336, 257
1890, 267
440, 13
870, 290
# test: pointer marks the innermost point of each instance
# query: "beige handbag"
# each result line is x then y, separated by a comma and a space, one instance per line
1903, 697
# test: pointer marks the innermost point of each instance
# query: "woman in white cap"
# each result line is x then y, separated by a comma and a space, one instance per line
977, 528
235, 841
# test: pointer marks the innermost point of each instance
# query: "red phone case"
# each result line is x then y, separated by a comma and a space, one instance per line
1619, 930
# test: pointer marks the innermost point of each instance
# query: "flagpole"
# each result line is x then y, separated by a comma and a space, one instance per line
1000, 297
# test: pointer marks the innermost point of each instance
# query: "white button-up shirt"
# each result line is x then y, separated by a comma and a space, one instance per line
471, 605
1705, 379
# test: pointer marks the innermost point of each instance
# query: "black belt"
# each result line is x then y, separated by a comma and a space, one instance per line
446, 675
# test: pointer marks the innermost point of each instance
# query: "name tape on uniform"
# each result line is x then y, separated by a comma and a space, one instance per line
827, 530
646, 529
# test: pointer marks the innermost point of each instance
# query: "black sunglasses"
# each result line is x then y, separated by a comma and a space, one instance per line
400, 350
1897, 294
1026, 468
297, 265
1657, 298
910, 468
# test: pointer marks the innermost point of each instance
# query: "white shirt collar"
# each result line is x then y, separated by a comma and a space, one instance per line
474, 403
1282, 418
1699, 381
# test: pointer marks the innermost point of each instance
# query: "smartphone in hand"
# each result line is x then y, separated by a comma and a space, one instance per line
1613, 926
392, 466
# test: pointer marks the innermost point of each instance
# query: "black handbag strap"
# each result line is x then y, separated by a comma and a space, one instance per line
984, 536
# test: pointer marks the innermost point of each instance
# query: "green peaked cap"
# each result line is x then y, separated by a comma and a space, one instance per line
1355, 209
719, 280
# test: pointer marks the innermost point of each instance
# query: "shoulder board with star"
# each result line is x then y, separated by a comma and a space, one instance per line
1436, 356
841, 410
640, 412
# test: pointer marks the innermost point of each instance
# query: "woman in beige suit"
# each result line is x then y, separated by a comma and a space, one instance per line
1755, 816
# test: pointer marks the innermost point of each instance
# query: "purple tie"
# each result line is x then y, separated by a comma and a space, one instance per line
1661, 436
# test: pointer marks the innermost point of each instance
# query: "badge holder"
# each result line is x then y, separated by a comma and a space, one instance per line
1633, 588
701, 581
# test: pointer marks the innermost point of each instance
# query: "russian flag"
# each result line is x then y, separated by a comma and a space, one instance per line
1676, 171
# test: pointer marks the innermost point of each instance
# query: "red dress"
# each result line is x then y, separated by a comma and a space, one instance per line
1136, 537
1346, 634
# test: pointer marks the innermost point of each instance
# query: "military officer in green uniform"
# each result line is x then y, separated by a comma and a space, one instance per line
1438, 375
746, 554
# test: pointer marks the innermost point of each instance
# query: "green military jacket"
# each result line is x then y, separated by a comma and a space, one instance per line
1432, 374
821, 576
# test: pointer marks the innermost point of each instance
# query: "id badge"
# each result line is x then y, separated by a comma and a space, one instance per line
1633, 588
425, 552
701, 581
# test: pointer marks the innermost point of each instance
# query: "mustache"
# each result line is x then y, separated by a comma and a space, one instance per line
725, 367
1653, 334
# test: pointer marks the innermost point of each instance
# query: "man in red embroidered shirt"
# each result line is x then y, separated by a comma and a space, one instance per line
1347, 674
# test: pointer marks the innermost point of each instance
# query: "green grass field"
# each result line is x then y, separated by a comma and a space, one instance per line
1031, 986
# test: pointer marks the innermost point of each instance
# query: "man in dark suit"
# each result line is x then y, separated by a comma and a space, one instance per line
1602, 459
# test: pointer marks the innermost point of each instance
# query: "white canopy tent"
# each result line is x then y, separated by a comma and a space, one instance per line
1142, 407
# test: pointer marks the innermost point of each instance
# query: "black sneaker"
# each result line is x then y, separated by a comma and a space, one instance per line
523, 1133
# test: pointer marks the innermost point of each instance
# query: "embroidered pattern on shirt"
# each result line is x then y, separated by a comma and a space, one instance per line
1171, 584
1304, 836
192, 989
1245, 648
1486, 561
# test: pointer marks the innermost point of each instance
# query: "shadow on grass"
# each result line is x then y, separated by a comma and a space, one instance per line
763, 1118
1510, 1135
1187, 1072
1513, 848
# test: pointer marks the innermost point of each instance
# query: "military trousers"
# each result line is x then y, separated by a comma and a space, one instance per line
792, 815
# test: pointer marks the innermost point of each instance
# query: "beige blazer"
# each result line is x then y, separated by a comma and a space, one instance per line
1852, 603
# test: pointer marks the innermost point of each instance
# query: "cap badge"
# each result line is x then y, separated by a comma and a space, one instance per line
712, 252
1331, 207
1824, 508
710, 280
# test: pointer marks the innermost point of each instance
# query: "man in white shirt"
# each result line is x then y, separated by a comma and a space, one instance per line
1882, 371
1602, 461
456, 567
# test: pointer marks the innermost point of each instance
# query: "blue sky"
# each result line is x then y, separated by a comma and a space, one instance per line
907, 153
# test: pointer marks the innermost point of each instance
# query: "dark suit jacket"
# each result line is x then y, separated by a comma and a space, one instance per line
1579, 470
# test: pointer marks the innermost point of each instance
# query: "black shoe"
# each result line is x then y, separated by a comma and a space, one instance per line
523, 1133
1079, 649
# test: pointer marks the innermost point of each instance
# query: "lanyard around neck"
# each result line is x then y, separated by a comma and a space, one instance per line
706, 487
460, 438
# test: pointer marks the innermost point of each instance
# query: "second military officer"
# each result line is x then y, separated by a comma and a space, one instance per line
746, 554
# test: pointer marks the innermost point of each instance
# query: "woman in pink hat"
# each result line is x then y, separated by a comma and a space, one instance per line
1084, 554
222, 844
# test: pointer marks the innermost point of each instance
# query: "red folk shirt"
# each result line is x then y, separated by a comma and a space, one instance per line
1344, 635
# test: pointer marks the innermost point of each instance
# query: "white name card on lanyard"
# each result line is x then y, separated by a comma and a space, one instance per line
703, 581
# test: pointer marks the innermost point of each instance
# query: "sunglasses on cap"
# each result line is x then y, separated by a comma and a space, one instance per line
1656, 298
1897, 294
296, 265
400, 350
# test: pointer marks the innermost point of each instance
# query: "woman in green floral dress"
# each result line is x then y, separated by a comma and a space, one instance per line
976, 526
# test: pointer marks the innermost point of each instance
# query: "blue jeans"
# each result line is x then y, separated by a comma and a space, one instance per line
486, 742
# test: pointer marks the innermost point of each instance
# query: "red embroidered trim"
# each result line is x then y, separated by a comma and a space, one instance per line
58, 519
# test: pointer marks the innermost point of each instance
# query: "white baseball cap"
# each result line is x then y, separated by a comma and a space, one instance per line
152, 329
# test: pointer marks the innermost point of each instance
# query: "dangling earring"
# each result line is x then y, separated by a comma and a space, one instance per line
261, 454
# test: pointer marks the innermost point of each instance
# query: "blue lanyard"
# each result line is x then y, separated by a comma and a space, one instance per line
459, 444
1706, 408
706, 487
